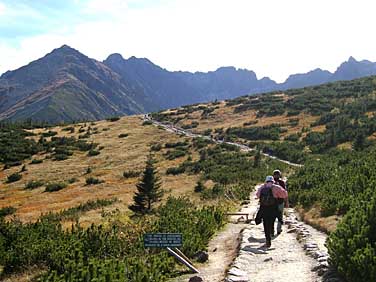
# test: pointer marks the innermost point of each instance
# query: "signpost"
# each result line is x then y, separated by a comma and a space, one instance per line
163, 240
170, 241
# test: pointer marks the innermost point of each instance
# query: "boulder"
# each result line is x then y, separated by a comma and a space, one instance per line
196, 279
201, 256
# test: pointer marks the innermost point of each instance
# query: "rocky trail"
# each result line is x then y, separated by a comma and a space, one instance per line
237, 253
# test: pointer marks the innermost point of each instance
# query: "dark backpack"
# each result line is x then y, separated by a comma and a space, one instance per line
266, 197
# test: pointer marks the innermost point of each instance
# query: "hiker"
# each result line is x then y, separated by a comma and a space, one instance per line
268, 193
277, 175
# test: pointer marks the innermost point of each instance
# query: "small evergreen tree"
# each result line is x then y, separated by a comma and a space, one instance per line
148, 189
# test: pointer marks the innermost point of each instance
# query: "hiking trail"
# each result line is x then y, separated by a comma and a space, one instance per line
178, 130
237, 252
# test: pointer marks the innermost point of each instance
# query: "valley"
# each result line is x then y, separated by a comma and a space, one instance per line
75, 182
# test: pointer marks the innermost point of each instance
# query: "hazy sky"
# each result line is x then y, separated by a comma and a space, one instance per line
274, 38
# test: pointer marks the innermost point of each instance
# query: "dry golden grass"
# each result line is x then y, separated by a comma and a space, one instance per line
224, 117
117, 156
345, 146
313, 218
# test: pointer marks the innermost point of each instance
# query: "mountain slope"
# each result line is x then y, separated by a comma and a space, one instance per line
315, 77
353, 69
65, 85
172, 89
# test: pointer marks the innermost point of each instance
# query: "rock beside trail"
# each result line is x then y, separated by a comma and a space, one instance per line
196, 279
201, 256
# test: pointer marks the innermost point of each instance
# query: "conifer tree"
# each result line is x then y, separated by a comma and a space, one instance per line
148, 189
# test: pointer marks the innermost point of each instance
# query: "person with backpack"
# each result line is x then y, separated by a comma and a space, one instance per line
277, 175
268, 193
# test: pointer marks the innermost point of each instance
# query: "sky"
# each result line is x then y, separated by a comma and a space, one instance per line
274, 38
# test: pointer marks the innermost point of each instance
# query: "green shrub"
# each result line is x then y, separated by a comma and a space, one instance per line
156, 147
53, 187
84, 136
36, 161
131, 174
32, 184
292, 137
14, 177
72, 180
174, 154
177, 144
61, 157
123, 135
113, 119
352, 246
175, 170
49, 133
93, 181
147, 122
92, 153
11, 164
7, 211
199, 187
69, 128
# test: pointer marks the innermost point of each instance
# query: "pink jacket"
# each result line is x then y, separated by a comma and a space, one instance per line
278, 191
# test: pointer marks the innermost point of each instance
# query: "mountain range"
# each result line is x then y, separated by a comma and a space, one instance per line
65, 85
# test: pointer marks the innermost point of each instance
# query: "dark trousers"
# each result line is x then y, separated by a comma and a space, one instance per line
269, 215
268, 227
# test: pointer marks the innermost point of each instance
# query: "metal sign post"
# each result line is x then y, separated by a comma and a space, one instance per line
170, 241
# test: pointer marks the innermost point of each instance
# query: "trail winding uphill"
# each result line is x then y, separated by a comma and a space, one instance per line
286, 260
178, 130
237, 253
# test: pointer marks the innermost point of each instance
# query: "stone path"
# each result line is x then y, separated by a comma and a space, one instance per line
284, 261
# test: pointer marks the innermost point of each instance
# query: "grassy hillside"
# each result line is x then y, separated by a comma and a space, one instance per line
331, 129
57, 181
87, 173
116, 155
293, 124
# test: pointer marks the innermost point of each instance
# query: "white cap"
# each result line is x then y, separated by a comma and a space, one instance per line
269, 178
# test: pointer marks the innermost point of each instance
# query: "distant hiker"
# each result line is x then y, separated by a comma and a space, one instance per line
277, 175
268, 193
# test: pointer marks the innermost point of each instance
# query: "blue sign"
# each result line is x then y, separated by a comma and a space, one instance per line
163, 240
